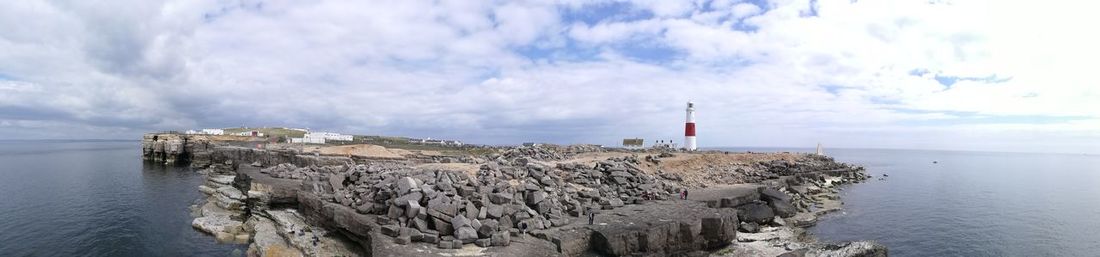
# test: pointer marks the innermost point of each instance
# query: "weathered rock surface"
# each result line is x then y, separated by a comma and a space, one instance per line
393, 207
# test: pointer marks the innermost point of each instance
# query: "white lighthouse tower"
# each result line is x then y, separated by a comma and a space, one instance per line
689, 128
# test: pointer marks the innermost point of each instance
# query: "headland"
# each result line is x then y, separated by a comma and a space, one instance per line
387, 197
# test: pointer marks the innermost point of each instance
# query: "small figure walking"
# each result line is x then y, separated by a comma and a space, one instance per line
591, 216
685, 194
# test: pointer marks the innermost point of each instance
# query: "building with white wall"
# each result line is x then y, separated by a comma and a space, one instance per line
206, 132
329, 136
308, 140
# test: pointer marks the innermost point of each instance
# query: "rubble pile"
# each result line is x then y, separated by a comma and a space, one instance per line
809, 163
717, 173
450, 208
542, 153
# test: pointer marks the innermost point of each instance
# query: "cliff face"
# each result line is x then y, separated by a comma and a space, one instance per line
203, 150
164, 148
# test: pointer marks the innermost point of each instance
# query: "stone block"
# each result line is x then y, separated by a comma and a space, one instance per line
501, 239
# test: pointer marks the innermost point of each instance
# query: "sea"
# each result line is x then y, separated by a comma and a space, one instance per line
964, 203
98, 198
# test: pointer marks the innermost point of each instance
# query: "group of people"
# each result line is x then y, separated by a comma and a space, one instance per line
684, 194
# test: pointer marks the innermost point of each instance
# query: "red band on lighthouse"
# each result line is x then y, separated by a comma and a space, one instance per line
689, 129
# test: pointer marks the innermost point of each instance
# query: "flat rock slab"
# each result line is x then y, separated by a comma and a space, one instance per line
656, 228
518, 246
726, 196
215, 224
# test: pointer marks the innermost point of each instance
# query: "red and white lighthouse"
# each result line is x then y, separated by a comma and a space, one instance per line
689, 128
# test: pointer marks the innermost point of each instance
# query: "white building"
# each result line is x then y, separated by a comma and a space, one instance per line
430, 141
308, 140
329, 136
205, 132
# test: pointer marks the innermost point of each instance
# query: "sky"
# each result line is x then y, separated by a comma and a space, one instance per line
955, 75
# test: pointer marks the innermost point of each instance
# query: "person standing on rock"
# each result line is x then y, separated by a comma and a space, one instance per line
523, 229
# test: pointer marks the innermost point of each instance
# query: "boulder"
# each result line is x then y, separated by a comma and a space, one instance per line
430, 238
420, 224
482, 242
466, 234
395, 212
500, 239
755, 212
803, 220
768, 194
391, 230
336, 181
404, 185
505, 223
459, 221
749, 227
442, 226
487, 228
215, 224
471, 211
611, 202
778, 201
412, 208
500, 198
413, 196
494, 211
782, 208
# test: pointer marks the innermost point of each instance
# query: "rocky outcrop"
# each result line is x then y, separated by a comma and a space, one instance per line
165, 148
518, 202
662, 229
266, 158
223, 212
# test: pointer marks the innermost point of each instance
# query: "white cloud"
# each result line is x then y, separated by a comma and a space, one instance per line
860, 74
743, 10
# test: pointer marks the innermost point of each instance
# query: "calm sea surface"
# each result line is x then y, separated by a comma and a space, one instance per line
970, 203
65, 198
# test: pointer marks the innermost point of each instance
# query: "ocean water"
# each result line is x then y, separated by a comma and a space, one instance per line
95, 198
970, 203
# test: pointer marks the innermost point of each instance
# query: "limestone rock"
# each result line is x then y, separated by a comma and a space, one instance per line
501, 239
466, 234
755, 212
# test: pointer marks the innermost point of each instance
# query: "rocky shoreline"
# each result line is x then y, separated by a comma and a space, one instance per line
531, 201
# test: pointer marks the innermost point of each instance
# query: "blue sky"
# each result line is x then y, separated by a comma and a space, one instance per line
790, 73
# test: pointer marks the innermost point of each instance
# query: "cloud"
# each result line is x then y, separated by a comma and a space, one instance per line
776, 73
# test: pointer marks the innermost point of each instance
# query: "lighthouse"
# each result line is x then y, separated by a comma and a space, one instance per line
689, 128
